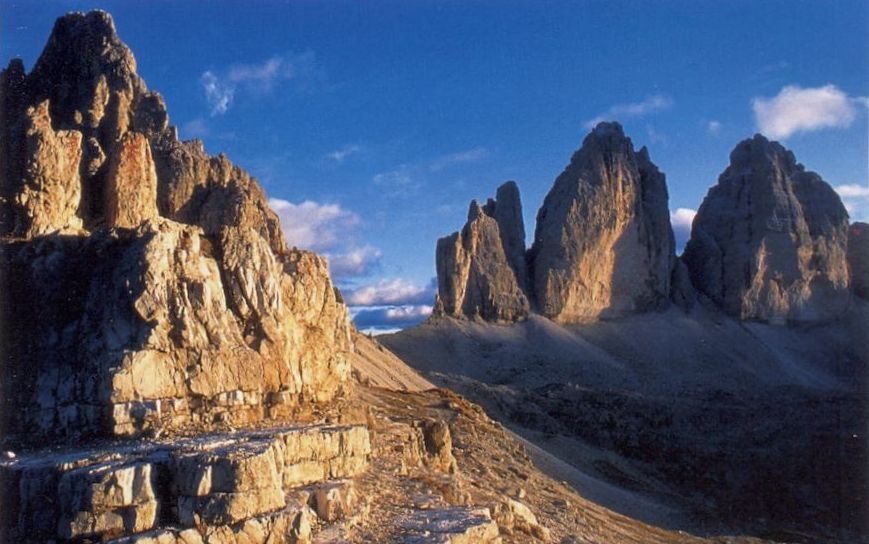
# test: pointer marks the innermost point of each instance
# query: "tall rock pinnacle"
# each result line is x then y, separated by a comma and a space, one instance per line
481, 270
603, 246
769, 241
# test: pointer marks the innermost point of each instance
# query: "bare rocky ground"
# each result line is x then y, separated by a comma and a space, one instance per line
380, 465
493, 468
690, 422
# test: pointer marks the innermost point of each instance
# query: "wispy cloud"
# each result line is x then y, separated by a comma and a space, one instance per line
653, 104
795, 109
354, 261
221, 87
655, 137
340, 154
217, 93
195, 128
460, 157
401, 181
681, 220
713, 127
315, 226
855, 197
391, 292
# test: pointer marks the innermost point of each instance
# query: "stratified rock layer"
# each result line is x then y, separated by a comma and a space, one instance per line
481, 270
858, 259
603, 246
769, 241
145, 283
214, 488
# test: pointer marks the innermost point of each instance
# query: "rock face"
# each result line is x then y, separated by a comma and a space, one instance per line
858, 259
603, 246
145, 284
481, 270
770, 239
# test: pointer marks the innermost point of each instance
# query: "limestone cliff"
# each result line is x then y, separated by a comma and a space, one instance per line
858, 258
481, 270
603, 245
145, 283
769, 241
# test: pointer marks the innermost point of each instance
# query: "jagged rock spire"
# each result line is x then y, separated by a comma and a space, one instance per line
481, 270
603, 245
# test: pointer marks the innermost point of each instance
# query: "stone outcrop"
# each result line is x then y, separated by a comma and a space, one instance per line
146, 285
858, 259
481, 270
244, 487
603, 245
769, 241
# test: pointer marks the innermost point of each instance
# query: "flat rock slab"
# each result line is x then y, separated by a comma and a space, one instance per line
452, 525
216, 483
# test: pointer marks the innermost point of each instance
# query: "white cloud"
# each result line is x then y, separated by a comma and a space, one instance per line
713, 127
356, 261
460, 157
218, 94
681, 220
795, 109
311, 225
653, 104
257, 78
340, 154
394, 291
855, 197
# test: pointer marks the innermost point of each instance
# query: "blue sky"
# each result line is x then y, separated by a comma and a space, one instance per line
373, 124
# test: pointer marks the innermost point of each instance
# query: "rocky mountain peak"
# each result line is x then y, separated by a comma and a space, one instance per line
769, 241
481, 270
603, 244
84, 64
162, 266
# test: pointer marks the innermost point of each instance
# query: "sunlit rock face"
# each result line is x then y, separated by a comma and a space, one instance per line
603, 246
145, 283
481, 270
770, 240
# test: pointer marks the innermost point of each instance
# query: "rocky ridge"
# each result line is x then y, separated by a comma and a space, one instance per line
168, 297
770, 243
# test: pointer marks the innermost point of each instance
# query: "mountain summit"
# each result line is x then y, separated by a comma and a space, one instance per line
603, 246
770, 240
